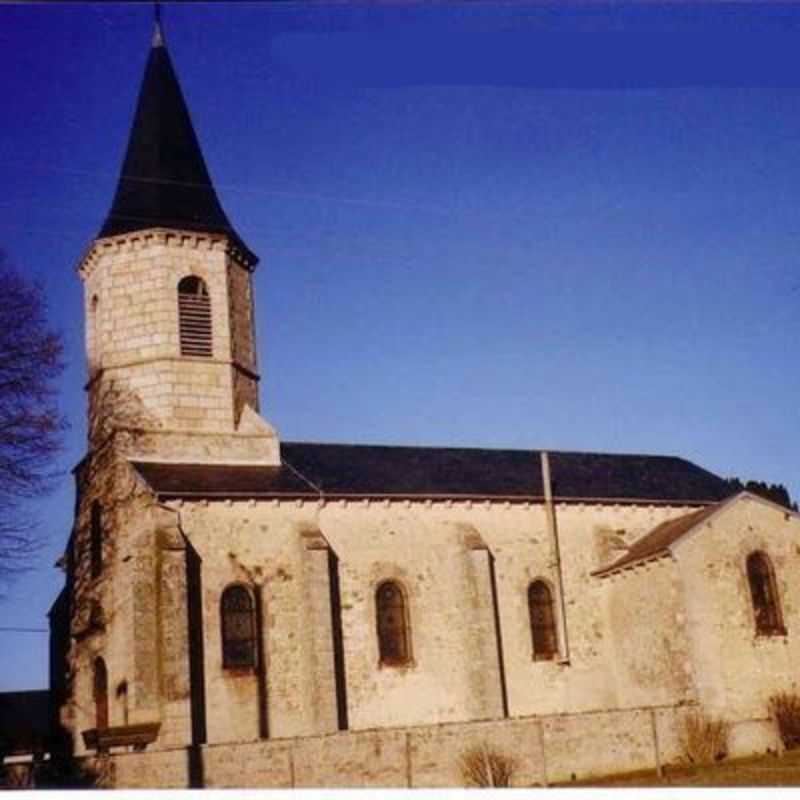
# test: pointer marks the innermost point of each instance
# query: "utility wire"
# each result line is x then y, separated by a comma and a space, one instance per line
230, 187
4, 629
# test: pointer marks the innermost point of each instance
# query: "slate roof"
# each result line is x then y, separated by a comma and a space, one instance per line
659, 539
223, 480
164, 180
342, 470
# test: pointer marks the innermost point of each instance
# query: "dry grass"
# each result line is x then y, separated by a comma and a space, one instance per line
483, 767
785, 708
704, 739
766, 770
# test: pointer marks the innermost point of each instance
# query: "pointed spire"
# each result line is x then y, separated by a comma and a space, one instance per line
164, 181
158, 33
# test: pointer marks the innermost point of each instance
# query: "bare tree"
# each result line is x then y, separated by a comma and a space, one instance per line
31, 426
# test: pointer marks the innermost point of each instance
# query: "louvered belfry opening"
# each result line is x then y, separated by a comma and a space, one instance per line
194, 317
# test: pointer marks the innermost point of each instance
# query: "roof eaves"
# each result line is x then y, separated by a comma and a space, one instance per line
425, 496
624, 566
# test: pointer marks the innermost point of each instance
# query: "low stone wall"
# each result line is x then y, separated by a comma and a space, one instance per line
547, 749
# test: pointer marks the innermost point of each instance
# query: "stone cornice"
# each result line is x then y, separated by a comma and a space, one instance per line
138, 240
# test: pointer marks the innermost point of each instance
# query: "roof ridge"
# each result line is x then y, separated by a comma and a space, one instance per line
492, 448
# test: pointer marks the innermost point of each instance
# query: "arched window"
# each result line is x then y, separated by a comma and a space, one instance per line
94, 315
100, 691
194, 317
543, 621
122, 698
764, 594
238, 628
392, 623
96, 539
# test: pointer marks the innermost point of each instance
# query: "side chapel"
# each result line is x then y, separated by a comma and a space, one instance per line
223, 585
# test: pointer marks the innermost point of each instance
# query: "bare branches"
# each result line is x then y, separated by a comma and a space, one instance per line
31, 426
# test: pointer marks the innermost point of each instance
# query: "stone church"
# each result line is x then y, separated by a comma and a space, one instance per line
242, 610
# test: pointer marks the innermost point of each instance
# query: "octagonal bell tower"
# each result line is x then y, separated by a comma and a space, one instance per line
170, 330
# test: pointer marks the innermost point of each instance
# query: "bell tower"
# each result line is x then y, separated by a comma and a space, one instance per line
170, 330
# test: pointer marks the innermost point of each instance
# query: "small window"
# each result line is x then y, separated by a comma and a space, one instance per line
94, 325
392, 623
96, 539
764, 594
238, 628
100, 691
543, 621
194, 317
122, 699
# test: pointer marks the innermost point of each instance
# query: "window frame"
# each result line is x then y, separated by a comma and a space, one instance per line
96, 539
195, 319
387, 659
540, 631
100, 694
228, 641
765, 601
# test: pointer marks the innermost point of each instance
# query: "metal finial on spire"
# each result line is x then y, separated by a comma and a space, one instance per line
158, 34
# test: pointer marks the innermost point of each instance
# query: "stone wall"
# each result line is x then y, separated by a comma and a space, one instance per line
736, 668
547, 750
130, 285
669, 633
620, 652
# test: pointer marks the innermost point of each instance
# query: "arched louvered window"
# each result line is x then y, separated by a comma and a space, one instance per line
543, 621
394, 645
764, 594
194, 317
100, 691
238, 628
96, 539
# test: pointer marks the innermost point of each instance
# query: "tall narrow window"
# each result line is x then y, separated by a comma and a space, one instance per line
122, 699
764, 594
194, 317
93, 329
543, 621
392, 623
96, 539
100, 694
238, 628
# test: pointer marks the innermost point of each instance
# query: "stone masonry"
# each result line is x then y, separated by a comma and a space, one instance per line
651, 609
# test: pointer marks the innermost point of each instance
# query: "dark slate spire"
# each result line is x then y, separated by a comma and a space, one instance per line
164, 181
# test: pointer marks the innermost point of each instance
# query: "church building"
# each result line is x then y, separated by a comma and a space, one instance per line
242, 610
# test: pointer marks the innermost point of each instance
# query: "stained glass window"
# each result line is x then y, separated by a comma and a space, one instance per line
238, 628
393, 644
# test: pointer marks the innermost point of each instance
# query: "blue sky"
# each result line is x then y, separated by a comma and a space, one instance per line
511, 225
